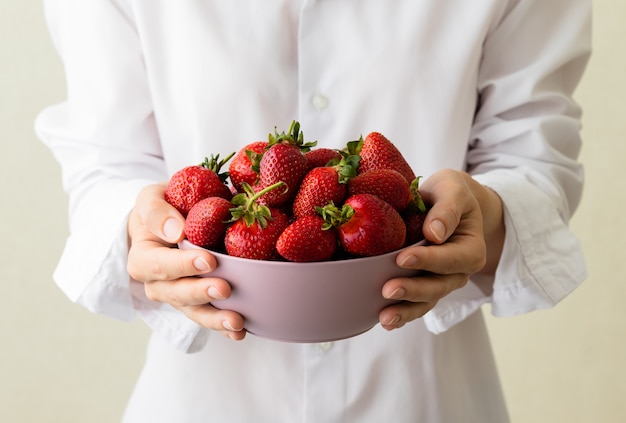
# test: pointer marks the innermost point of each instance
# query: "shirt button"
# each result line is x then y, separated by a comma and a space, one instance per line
320, 101
324, 346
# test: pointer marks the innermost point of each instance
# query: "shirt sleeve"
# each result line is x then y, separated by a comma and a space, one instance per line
524, 145
104, 137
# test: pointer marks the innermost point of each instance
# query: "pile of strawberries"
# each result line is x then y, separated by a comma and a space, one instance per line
284, 199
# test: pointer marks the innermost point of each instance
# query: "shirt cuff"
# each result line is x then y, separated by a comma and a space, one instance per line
541, 263
168, 323
92, 270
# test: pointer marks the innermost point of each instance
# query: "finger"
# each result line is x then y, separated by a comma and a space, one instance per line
418, 296
187, 292
462, 253
228, 323
151, 261
396, 316
158, 216
426, 288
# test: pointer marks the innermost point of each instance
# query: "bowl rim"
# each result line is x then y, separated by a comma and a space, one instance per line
353, 260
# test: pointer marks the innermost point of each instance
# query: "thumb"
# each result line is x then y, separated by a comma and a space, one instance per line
443, 216
173, 229
449, 197
158, 216
435, 230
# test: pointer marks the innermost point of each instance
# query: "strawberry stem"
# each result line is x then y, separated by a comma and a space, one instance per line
334, 216
215, 164
255, 160
417, 203
354, 147
346, 167
249, 209
293, 137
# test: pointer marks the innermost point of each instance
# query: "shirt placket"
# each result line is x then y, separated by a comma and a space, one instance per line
324, 382
315, 101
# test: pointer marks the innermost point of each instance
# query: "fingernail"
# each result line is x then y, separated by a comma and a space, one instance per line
172, 228
226, 325
394, 321
201, 264
214, 293
409, 261
397, 294
438, 229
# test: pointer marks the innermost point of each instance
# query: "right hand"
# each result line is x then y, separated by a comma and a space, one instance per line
169, 274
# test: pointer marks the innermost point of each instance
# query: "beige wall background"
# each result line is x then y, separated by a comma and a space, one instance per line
59, 363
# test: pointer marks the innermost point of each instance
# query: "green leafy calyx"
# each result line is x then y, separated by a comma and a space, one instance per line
417, 203
294, 136
334, 216
248, 208
215, 164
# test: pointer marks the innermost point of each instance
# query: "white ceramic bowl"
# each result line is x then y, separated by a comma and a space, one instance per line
306, 302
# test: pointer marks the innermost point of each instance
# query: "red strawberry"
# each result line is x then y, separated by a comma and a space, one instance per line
207, 222
323, 185
414, 223
367, 225
320, 157
283, 161
193, 183
319, 187
245, 165
414, 215
256, 227
255, 241
305, 240
377, 152
388, 184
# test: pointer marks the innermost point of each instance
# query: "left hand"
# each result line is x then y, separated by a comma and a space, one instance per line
464, 230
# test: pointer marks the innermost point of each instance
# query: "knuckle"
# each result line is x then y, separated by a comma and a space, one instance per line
132, 271
480, 259
450, 213
132, 268
462, 282
478, 265
151, 293
176, 302
157, 270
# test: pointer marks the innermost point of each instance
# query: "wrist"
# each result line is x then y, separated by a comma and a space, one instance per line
494, 230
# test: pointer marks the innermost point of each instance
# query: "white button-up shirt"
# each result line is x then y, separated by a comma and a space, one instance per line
484, 86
